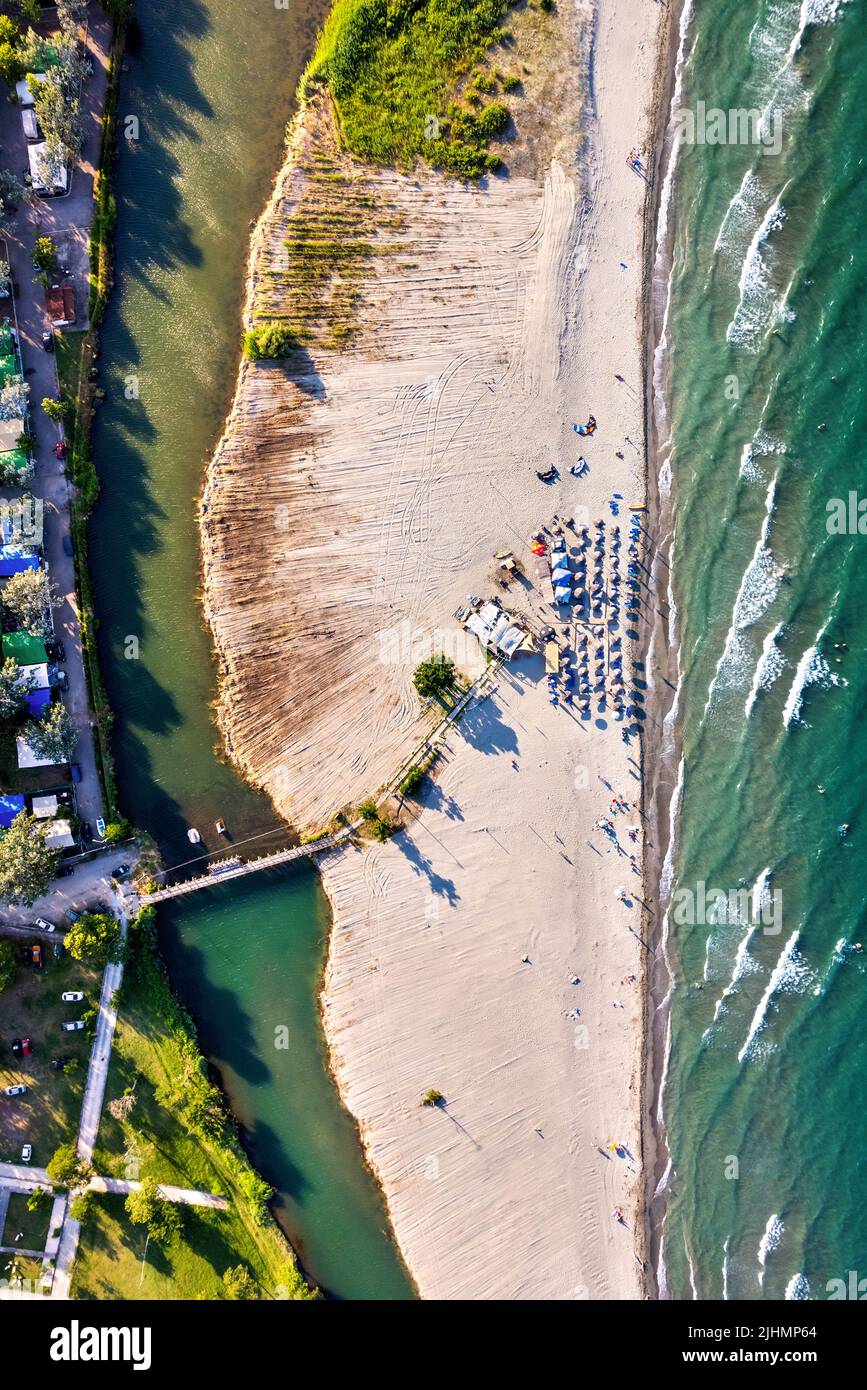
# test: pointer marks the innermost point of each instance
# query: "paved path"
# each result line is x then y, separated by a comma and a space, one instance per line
68, 221
100, 1056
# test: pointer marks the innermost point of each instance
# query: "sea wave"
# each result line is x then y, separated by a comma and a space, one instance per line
769, 667
814, 12
758, 304
769, 1242
791, 974
813, 669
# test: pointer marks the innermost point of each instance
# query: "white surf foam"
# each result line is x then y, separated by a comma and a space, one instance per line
812, 669
769, 1242
758, 304
769, 667
790, 974
797, 1287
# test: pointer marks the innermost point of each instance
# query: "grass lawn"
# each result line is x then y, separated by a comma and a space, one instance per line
154, 1061
68, 348
19, 1269
47, 1115
33, 1225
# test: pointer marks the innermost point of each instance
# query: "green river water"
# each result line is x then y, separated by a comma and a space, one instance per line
211, 85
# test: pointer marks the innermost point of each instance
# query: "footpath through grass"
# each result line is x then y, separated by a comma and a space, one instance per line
164, 1120
392, 67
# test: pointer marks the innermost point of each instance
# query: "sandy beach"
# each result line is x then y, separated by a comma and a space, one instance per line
380, 481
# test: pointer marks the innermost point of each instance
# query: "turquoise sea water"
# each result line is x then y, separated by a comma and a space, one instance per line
766, 375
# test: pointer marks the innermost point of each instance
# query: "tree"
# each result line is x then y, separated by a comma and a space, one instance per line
15, 686
8, 965
14, 398
5, 279
95, 938
11, 66
413, 780
26, 864
58, 108
269, 339
66, 1169
53, 736
240, 1284
44, 255
27, 598
145, 1207
368, 811
434, 676
55, 410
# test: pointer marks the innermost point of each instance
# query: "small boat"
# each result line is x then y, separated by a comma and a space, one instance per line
221, 827
193, 836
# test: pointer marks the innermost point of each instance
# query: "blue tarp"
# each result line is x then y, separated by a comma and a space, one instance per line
38, 700
11, 805
17, 564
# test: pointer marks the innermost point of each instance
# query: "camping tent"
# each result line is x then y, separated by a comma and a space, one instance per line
11, 805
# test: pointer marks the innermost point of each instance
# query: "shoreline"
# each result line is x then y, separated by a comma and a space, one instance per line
664, 643
355, 952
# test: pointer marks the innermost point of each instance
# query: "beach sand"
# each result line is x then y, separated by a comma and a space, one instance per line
398, 468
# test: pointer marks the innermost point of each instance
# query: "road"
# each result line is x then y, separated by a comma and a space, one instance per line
68, 221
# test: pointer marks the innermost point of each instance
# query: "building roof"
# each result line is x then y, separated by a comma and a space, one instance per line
10, 433
28, 758
59, 835
43, 806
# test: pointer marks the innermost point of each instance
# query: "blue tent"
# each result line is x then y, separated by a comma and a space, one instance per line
38, 701
11, 805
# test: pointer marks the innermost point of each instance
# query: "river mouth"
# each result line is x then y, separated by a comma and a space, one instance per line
211, 90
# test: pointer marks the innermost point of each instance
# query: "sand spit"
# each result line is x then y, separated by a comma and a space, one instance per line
351, 506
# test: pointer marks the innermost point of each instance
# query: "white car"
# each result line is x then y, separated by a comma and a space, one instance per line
14, 1090
46, 926
73, 1027
27, 1153
72, 996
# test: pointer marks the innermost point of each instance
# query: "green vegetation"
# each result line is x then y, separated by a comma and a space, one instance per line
392, 67
66, 1169
381, 829
268, 340
95, 938
240, 1284
433, 1098
163, 1115
146, 1207
8, 965
412, 780
27, 1218
44, 255
47, 1115
53, 736
26, 865
434, 676
55, 410
26, 598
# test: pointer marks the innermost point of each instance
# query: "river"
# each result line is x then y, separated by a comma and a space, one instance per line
210, 85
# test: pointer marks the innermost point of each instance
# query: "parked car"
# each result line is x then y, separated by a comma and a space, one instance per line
55, 650
58, 677
14, 1090
121, 871
46, 926
25, 1047
65, 871
72, 996
36, 955
73, 916
57, 950
67, 546
86, 832
26, 1153
75, 772
58, 1063
16, 1046
74, 1027
48, 342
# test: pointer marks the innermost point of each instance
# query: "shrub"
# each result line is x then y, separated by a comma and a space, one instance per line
434, 675
412, 781
433, 1098
268, 340
368, 811
511, 83
381, 829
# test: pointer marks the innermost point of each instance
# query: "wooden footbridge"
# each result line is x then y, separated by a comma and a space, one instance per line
247, 866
